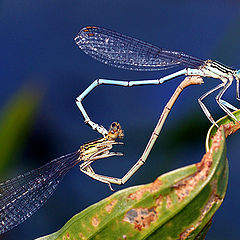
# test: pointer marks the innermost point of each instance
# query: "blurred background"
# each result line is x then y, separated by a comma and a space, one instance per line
43, 71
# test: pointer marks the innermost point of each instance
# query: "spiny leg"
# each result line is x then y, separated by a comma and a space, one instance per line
105, 154
99, 154
237, 90
101, 129
228, 105
88, 170
204, 108
186, 82
223, 104
100, 148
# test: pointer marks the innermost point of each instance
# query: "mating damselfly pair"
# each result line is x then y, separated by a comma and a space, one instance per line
22, 196
125, 52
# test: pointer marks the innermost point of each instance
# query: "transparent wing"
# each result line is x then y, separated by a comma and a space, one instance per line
22, 196
126, 52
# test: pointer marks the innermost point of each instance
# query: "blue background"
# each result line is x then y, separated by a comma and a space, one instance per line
37, 49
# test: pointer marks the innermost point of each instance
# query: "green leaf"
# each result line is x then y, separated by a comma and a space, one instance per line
15, 121
177, 205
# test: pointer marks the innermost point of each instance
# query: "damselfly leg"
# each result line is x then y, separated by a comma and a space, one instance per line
103, 147
237, 89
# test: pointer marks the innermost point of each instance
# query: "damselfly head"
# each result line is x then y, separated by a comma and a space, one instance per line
237, 74
101, 147
115, 131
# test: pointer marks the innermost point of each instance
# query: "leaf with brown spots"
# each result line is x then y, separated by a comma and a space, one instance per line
177, 205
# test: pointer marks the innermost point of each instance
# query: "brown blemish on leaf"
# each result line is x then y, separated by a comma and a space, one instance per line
81, 236
95, 221
169, 201
213, 199
111, 205
141, 217
68, 235
153, 187
159, 201
184, 187
231, 128
186, 233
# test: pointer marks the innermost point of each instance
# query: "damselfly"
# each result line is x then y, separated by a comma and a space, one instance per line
22, 196
122, 51
125, 52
